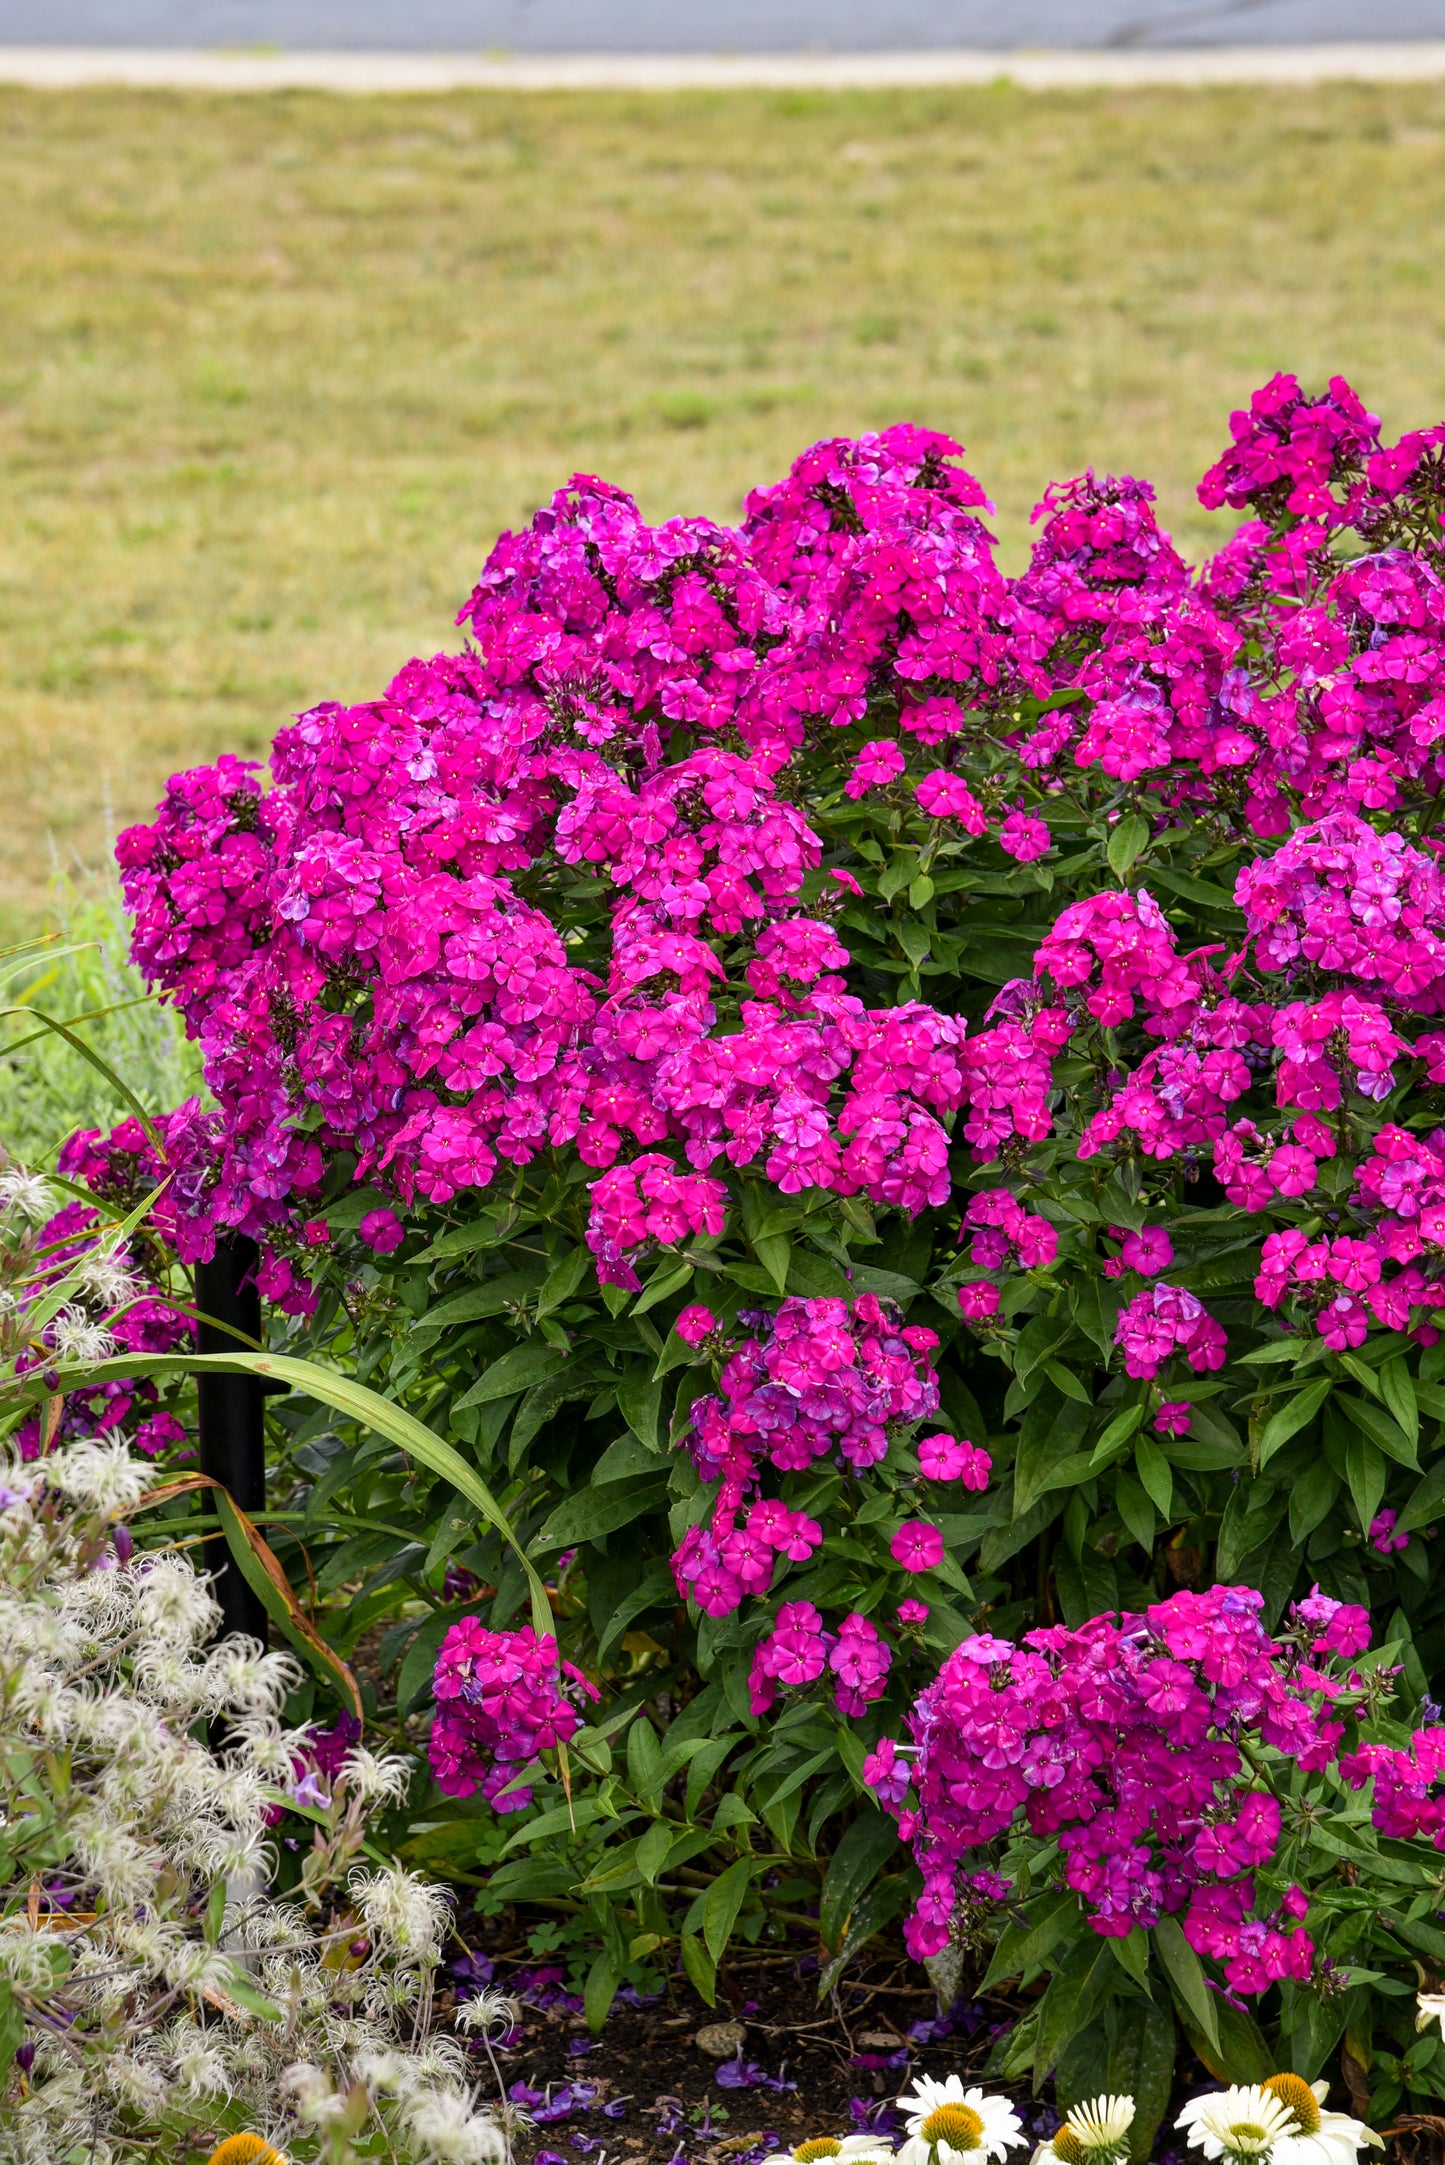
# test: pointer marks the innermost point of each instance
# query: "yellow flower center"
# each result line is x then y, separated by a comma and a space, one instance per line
1295, 2093
819, 2146
1245, 2131
246, 2150
957, 2125
1070, 2146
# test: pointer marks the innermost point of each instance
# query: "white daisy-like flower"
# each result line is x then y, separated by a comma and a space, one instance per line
948, 2124
1241, 2123
1316, 2137
819, 2148
1093, 2133
1430, 2007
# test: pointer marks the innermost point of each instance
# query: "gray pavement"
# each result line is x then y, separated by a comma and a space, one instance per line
619, 27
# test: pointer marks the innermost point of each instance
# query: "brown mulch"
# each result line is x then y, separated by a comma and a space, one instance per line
802, 2068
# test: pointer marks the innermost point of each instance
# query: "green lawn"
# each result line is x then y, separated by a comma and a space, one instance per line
276, 370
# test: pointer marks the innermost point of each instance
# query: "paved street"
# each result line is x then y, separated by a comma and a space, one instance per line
717, 26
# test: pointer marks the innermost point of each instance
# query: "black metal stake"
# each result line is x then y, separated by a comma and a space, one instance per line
233, 1437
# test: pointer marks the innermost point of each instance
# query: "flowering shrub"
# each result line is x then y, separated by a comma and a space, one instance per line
886, 1108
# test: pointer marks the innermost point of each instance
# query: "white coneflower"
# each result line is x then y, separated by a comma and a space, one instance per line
1316, 2137
1241, 2123
817, 2149
1092, 2134
948, 2124
76, 1336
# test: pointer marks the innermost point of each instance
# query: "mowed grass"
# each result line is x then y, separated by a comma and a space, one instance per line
275, 371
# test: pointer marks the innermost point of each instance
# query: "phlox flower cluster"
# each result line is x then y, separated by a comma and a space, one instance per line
115, 1302
1290, 453
1125, 1739
1165, 1319
1005, 1234
822, 1379
1406, 1781
502, 1697
1121, 946
1338, 898
798, 1649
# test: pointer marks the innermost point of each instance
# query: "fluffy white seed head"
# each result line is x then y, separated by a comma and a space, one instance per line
405, 1913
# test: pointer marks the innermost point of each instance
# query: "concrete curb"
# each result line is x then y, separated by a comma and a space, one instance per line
56, 67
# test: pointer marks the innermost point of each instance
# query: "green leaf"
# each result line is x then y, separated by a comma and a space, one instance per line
562, 1280
1037, 1340
854, 1865
589, 1513
654, 1589
1193, 890
878, 1907
1022, 1948
1365, 1472
1157, 1475
1427, 1499
1242, 2054
1380, 1429
1118, 1432
1064, 1379
1126, 842
1143, 2068
260, 1568
1085, 1977
577, 1380
517, 1370
12, 2025
653, 1850
1051, 1430
663, 1285
639, 1401
721, 1904
600, 1990
772, 1251
475, 1302
238, 1987
701, 1969
1135, 1509
1398, 1386
1292, 1417
1182, 1967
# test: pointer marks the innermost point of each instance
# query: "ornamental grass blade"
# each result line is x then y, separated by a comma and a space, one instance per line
336, 1391
260, 1567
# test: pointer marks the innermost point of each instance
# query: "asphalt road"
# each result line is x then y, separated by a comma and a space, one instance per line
715, 26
